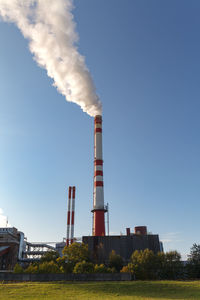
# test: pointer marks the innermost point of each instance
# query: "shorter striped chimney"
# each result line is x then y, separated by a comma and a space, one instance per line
68, 214
98, 200
73, 212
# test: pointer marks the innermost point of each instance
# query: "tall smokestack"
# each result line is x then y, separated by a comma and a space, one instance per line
98, 200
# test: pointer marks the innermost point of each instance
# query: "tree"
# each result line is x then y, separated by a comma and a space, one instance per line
147, 265
194, 255
83, 267
115, 261
169, 265
49, 256
65, 266
193, 265
143, 264
173, 266
76, 252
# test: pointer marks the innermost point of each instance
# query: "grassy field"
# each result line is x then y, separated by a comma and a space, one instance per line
140, 290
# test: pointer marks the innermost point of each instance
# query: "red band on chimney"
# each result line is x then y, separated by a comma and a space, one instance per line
69, 194
98, 173
98, 183
98, 130
98, 162
68, 218
99, 225
73, 194
98, 120
72, 218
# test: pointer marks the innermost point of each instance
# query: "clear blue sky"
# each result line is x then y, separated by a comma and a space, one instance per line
144, 56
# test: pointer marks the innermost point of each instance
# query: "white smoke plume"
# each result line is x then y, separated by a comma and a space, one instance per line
3, 219
50, 28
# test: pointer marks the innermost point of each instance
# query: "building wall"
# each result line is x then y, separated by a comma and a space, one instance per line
101, 246
9, 259
10, 238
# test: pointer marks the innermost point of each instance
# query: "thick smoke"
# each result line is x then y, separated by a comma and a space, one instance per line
50, 28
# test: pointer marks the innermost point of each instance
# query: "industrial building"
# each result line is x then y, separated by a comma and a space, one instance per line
100, 247
14, 248
9, 247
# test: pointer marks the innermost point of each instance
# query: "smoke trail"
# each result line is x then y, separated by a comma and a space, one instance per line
3, 219
50, 29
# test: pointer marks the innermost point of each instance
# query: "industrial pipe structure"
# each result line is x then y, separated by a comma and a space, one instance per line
98, 196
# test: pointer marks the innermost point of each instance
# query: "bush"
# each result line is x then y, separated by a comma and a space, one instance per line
115, 261
83, 267
32, 269
44, 268
128, 269
100, 269
49, 256
18, 269
48, 267
76, 252
111, 270
65, 267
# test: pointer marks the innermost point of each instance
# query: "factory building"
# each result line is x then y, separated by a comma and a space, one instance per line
124, 245
10, 247
14, 248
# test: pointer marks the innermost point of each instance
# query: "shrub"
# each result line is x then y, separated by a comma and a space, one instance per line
100, 269
111, 270
115, 261
48, 267
128, 269
45, 268
83, 267
65, 267
49, 256
32, 269
18, 269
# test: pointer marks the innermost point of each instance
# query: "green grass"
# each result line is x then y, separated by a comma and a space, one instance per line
140, 290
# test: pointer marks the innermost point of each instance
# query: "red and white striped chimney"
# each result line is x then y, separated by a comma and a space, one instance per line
68, 215
98, 200
72, 218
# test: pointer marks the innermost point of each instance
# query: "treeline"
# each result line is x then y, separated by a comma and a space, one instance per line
143, 265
